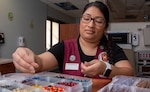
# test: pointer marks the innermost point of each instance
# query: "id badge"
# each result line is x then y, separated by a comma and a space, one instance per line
71, 66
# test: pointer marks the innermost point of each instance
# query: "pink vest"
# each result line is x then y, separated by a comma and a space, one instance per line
72, 57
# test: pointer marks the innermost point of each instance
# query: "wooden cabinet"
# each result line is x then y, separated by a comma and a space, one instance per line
68, 31
6, 66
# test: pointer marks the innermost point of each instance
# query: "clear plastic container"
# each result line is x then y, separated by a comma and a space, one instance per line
58, 87
17, 77
49, 74
45, 78
54, 77
72, 85
127, 84
31, 82
86, 82
8, 86
36, 85
4, 90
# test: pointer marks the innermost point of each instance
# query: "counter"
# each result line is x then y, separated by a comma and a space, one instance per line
99, 83
6, 66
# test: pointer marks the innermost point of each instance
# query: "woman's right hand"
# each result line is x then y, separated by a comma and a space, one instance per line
24, 60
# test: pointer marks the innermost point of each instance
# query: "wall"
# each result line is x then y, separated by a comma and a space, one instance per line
132, 27
25, 12
60, 16
29, 22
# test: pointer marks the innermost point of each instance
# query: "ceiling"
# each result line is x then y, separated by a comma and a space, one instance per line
120, 10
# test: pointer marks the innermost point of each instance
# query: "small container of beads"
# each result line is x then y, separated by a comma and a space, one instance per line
16, 77
49, 74
55, 77
45, 78
52, 87
86, 82
7, 86
73, 86
123, 83
4, 90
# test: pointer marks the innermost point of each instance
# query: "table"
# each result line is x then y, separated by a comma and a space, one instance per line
99, 83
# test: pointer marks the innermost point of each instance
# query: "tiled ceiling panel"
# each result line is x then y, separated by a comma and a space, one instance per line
120, 10
66, 5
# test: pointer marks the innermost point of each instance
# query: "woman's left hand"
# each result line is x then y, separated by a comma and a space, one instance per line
92, 68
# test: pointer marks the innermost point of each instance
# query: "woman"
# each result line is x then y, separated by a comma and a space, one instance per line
90, 54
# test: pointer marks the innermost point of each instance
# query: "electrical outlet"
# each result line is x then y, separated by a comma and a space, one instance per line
1, 38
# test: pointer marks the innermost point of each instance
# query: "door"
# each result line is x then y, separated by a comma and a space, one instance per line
68, 31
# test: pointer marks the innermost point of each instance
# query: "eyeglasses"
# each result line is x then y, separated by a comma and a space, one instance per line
99, 21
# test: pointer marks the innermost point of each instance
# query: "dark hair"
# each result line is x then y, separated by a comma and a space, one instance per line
102, 7
104, 41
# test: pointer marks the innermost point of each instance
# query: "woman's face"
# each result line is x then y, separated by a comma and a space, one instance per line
92, 24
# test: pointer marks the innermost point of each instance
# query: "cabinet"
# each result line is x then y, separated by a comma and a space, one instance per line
6, 66
143, 63
131, 56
